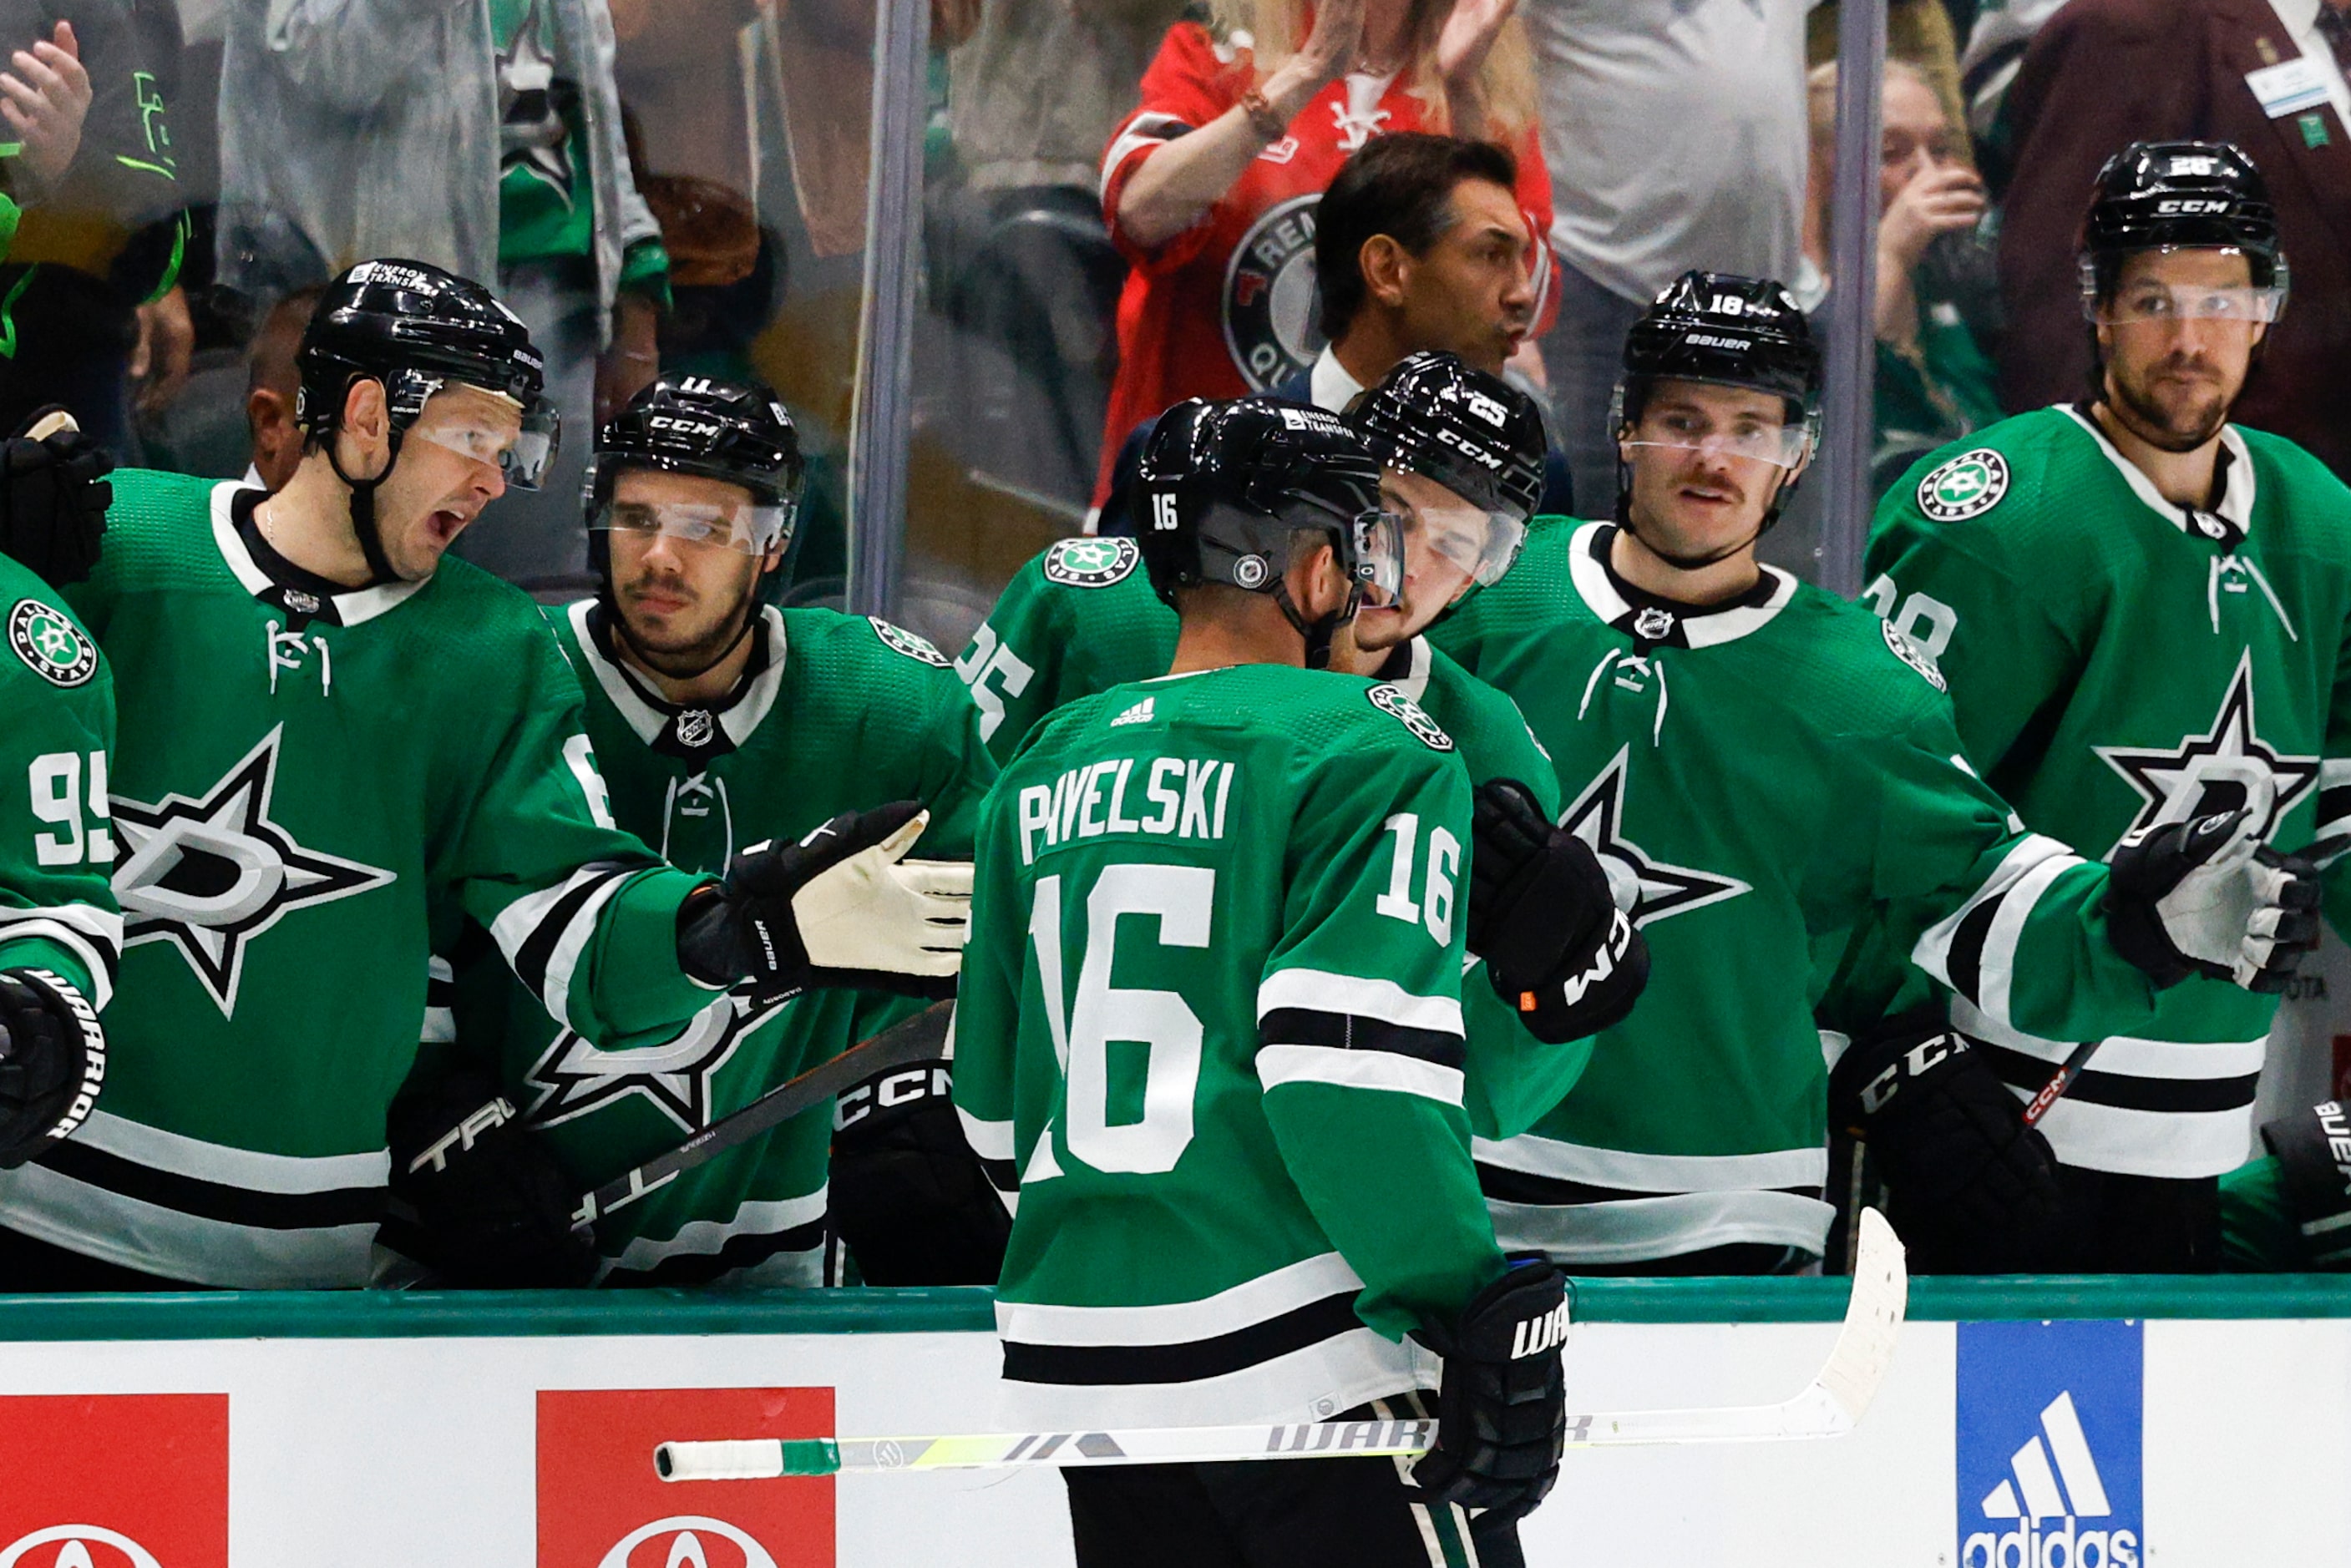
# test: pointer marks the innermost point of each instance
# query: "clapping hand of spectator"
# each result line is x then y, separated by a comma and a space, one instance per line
159, 360
1462, 47
45, 100
1330, 52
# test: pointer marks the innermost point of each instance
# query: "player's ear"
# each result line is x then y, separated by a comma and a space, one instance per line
1316, 584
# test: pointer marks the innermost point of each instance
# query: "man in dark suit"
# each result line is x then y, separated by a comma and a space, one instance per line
2104, 73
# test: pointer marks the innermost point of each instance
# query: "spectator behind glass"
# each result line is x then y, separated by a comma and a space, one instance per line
2104, 73
1034, 93
1676, 136
271, 384
1934, 383
1210, 186
483, 136
89, 205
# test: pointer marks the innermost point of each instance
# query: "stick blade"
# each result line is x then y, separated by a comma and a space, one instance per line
1873, 1319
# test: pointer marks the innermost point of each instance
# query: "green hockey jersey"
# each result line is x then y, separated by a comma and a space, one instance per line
302, 771
1211, 1013
1762, 771
57, 838
834, 713
1083, 617
2103, 647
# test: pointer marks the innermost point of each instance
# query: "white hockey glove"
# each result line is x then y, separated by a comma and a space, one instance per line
2208, 898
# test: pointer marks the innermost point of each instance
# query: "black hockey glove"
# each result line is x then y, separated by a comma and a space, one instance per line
2207, 897
1556, 947
493, 1203
841, 907
52, 1062
2312, 1150
1976, 1187
908, 1196
1501, 1409
53, 499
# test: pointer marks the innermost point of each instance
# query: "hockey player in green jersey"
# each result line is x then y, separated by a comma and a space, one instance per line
60, 932
1763, 764
2125, 596
325, 731
2290, 1211
719, 720
1213, 1020
1462, 455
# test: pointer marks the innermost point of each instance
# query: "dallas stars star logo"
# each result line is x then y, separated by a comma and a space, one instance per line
534, 136
1597, 817
574, 1078
2158, 775
210, 874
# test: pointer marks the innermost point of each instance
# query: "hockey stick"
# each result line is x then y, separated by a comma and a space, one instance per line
919, 1038
1827, 1406
2322, 853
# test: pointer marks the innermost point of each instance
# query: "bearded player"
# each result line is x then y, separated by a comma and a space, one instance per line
1213, 1021
1764, 766
2134, 600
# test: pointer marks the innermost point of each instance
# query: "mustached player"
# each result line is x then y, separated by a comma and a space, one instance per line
2132, 598
1764, 765
1214, 1022
719, 720
1461, 455
325, 733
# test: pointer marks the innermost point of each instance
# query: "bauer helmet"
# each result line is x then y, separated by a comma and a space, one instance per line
418, 329
1475, 434
2166, 196
1225, 485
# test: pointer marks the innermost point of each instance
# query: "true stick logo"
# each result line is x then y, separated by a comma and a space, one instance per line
2050, 1423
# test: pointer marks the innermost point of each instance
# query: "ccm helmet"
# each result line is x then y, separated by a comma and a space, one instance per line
1473, 433
417, 329
2164, 195
1225, 485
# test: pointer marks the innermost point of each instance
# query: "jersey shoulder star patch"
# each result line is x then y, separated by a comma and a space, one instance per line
1911, 654
51, 646
1091, 563
1969, 485
1412, 716
898, 640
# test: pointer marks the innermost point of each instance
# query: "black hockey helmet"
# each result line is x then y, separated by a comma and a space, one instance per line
1225, 485
418, 329
1730, 330
2162, 195
1473, 433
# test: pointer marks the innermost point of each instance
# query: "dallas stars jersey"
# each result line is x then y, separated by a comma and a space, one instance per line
2104, 647
1083, 617
302, 769
1211, 1012
57, 910
1762, 771
835, 713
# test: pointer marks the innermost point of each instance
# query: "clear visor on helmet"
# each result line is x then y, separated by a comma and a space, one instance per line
2148, 300
743, 526
1375, 556
489, 427
1477, 543
1752, 437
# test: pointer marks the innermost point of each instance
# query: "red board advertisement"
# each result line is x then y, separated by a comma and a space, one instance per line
114, 1480
601, 1506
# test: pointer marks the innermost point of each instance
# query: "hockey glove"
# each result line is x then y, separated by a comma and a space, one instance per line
493, 1203
1501, 1408
52, 1062
2312, 1150
1951, 1139
54, 494
2208, 898
1556, 946
908, 1196
841, 907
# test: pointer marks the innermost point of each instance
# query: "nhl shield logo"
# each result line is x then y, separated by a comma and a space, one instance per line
898, 640
1269, 296
1406, 711
1090, 562
54, 648
695, 726
1653, 624
1970, 485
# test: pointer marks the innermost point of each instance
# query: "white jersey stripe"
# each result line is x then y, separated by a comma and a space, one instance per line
1628, 1172
989, 1140
1251, 1302
706, 1238
1342, 1068
1996, 969
1310, 1384
1319, 990
1636, 1229
240, 1168
2123, 1054
101, 981
2175, 1144
1933, 951
53, 1207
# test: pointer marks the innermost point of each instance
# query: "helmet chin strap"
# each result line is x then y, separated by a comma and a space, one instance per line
363, 523
1318, 634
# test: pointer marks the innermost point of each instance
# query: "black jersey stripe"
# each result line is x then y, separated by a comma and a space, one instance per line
1355, 1031
743, 1250
1965, 965
215, 1200
1103, 1365
1509, 1186
2334, 806
2121, 1091
537, 951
